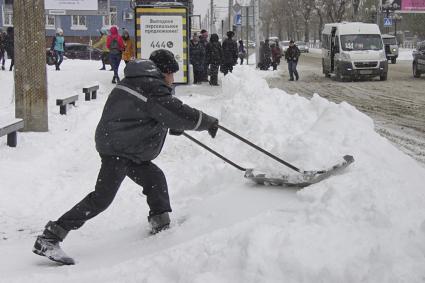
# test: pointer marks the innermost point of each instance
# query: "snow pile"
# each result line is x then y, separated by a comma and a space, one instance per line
366, 224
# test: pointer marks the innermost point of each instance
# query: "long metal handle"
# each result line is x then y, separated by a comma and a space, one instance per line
214, 152
260, 149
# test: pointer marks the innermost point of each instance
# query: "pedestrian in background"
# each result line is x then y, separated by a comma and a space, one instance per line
2, 49
267, 61
276, 55
260, 63
203, 40
291, 55
230, 53
102, 45
58, 47
128, 53
9, 46
197, 58
116, 46
214, 56
242, 52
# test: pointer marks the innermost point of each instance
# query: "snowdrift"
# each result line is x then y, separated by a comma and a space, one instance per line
364, 225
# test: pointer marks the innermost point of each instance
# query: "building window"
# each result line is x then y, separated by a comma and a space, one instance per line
7, 16
50, 22
111, 19
79, 22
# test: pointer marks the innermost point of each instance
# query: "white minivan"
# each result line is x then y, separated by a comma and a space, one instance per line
353, 50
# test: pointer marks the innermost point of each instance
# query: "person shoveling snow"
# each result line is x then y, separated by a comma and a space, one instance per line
130, 134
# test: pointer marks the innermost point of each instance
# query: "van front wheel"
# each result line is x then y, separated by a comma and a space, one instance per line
393, 60
383, 76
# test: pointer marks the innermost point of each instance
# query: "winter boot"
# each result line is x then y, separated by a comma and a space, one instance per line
159, 222
114, 80
2, 67
47, 244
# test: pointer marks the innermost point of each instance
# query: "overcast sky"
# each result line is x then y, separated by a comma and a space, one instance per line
201, 7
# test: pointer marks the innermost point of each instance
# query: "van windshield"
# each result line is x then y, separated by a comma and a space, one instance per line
361, 42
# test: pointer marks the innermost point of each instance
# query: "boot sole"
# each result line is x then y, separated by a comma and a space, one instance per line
40, 253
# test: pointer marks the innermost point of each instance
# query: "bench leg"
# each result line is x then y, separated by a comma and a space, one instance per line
12, 139
93, 94
63, 109
87, 96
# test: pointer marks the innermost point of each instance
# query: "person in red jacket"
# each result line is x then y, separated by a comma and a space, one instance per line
116, 46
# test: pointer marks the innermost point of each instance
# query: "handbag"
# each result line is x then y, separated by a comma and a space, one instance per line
50, 58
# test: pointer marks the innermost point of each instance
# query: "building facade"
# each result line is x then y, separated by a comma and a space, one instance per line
83, 29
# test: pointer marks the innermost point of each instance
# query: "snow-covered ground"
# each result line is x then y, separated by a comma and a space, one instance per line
366, 224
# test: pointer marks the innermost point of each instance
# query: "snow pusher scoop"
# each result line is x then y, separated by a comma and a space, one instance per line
302, 179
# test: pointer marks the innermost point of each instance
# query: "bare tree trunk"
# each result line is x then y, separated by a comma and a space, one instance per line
30, 64
306, 31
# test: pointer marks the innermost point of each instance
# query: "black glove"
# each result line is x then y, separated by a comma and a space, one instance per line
175, 132
212, 130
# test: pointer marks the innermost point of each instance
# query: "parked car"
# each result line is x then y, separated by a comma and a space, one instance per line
76, 51
302, 46
391, 47
284, 45
419, 60
82, 51
251, 44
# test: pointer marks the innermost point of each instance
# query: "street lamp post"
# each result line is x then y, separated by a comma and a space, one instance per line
396, 18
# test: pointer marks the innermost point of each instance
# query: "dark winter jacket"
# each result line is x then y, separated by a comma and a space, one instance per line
292, 53
214, 53
2, 41
276, 53
230, 51
267, 52
197, 56
9, 42
138, 113
242, 51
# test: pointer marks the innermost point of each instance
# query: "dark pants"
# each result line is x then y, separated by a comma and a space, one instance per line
112, 172
105, 59
205, 73
59, 58
2, 57
115, 60
198, 72
214, 74
241, 58
292, 68
226, 68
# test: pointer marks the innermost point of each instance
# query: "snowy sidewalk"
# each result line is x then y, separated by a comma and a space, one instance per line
364, 225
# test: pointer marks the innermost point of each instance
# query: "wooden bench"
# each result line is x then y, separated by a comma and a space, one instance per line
10, 129
90, 91
62, 103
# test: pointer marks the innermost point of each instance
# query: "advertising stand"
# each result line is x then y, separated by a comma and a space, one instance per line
164, 27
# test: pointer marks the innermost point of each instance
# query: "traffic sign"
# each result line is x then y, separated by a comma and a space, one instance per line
238, 19
237, 7
388, 22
